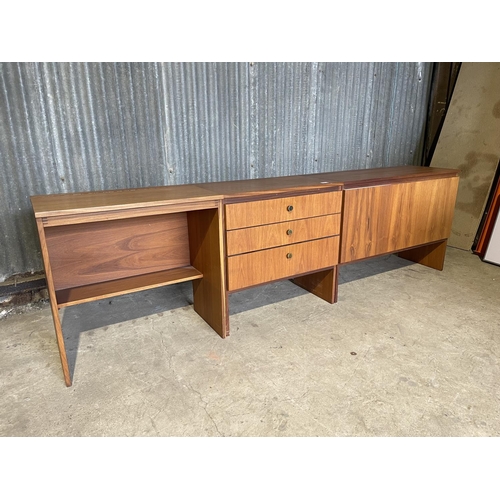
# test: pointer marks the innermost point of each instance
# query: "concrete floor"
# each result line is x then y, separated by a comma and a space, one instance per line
407, 351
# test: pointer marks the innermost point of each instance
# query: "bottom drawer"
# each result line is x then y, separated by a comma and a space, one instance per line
283, 262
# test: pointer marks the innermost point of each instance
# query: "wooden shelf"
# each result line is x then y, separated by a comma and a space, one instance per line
88, 293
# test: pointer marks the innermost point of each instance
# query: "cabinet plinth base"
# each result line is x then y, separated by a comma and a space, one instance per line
323, 284
428, 255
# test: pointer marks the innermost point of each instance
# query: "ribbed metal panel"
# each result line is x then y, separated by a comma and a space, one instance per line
89, 126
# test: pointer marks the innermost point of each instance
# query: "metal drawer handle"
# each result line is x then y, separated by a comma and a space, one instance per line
289, 232
288, 255
289, 208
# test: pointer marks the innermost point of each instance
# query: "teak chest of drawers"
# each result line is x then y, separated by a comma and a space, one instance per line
268, 240
228, 236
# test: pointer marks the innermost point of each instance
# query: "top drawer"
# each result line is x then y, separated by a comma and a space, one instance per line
256, 213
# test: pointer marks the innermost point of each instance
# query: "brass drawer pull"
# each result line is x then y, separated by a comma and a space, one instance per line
288, 255
289, 208
289, 232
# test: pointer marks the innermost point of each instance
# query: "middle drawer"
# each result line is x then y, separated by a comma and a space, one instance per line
284, 233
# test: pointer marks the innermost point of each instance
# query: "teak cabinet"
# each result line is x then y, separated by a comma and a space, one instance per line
228, 236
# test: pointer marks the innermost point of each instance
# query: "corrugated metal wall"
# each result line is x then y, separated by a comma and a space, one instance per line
90, 126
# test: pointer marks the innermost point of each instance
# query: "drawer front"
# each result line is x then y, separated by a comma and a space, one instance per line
257, 213
283, 262
255, 238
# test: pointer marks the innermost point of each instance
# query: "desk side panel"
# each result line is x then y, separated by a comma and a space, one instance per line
53, 304
206, 243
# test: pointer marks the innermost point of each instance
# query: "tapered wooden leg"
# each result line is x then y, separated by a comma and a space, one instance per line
53, 304
60, 343
428, 255
206, 244
323, 284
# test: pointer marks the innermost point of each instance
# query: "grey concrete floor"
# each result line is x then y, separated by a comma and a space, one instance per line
406, 351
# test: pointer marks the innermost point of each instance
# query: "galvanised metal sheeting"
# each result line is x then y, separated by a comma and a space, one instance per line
68, 127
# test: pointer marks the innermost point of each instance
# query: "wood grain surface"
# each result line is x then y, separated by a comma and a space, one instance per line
127, 213
388, 218
255, 213
206, 241
53, 304
254, 268
431, 255
87, 293
102, 201
284, 233
234, 190
84, 254
268, 187
323, 284
350, 179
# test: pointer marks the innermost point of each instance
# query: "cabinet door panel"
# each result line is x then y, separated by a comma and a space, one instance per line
389, 218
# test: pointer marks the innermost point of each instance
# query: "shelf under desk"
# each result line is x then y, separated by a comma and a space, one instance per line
97, 291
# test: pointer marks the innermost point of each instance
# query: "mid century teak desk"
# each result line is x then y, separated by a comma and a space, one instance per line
228, 236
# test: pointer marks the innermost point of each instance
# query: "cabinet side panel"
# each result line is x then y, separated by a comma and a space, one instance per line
95, 252
385, 219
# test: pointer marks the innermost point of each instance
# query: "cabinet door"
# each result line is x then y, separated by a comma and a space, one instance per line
388, 218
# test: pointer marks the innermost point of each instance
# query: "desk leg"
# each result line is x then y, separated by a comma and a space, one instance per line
428, 255
206, 246
53, 304
323, 284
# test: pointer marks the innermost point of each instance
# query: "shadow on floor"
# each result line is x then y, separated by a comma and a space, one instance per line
106, 312
283, 290
263, 295
99, 314
371, 267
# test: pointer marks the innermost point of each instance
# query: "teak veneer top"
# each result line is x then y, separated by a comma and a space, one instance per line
374, 176
101, 201
346, 179
232, 190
